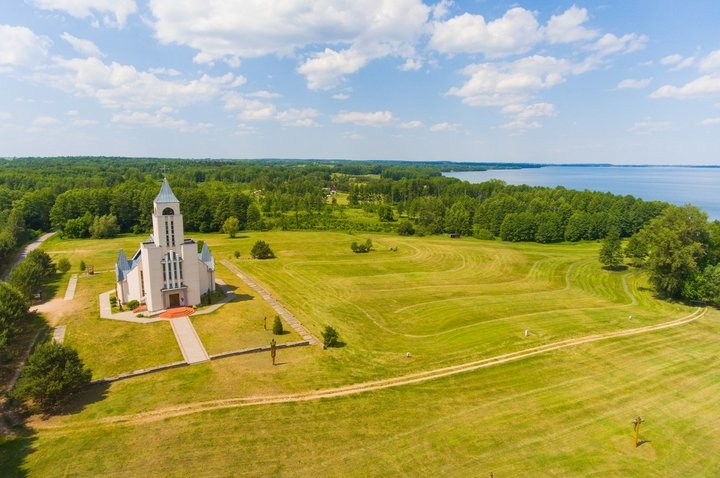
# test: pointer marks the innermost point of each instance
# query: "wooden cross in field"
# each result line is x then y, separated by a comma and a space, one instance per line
636, 428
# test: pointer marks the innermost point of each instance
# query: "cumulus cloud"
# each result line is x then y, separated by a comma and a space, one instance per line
499, 84
255, 110
515, 32
707, 85
567, 27
20, 46
411, 64
340, 96
84, 47
631, 83
41, 121
264, 94
106, 9
350, 33
115, 85
376, 118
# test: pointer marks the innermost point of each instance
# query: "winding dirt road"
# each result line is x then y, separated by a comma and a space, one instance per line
196, 407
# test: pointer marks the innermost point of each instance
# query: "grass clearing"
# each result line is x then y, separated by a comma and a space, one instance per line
447, 301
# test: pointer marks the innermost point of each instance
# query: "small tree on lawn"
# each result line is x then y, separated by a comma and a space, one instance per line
406, 228
52, 375
82, 266
330, 336
611, 253
63, 265
261, 250
231, 226
277, 326
361, 248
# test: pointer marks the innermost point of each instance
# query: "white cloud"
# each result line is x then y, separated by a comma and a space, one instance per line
630, 83
249, 109
444, 126
706, 85
441, 9
264, 94
411, 124
567, 28
710, 121
20, 46
256, 110
349, 33
671, 59
72, 113
352, 135
377, 118
650, 127
609, 44
84, 47
411, 64
5, 116
711, 63
340, 96
164, 71
119, 9
515, 32
298, 117
159, 119
525, 116
115, 85
492, 84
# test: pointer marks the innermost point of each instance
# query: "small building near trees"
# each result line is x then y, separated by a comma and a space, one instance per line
167, 270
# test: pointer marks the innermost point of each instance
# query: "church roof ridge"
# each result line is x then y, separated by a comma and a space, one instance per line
165, 195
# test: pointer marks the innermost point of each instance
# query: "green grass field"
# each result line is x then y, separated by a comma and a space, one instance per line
562, 413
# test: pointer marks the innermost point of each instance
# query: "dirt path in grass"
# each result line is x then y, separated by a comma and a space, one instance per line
190, 408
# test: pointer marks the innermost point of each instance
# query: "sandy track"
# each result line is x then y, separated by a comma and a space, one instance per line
196, 407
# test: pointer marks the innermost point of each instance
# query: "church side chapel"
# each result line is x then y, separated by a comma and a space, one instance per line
166, 271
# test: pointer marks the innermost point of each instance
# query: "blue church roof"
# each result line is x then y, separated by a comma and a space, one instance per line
165, 195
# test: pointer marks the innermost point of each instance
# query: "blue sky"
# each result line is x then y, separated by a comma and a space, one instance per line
626, 82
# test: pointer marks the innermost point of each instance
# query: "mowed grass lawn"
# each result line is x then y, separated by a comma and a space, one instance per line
447, 301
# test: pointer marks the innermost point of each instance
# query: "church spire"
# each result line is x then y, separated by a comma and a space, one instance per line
165, 195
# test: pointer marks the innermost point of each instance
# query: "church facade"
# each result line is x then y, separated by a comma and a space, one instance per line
167, 270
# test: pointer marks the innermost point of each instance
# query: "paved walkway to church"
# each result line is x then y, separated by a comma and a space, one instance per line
190, 345
279, 308
72, 284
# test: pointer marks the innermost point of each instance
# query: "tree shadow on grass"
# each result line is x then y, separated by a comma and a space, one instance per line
13, 451
621, 268
92, 394
337, 345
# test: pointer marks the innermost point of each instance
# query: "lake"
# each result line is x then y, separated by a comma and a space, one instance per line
676, 185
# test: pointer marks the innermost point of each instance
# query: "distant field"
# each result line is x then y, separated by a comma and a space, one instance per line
447, 302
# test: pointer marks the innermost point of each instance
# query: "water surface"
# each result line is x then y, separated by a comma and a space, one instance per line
676, 185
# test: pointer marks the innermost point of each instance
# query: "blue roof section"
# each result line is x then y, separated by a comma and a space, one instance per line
123, 266
165, 195
206, 257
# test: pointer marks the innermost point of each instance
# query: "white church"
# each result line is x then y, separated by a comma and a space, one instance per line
167, 271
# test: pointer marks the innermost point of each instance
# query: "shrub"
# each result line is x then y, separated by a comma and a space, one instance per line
63, 265
82, 266
237, 254
132, 304
261, 250
330, 336
406, 228
277, 328
361, 248
53, 373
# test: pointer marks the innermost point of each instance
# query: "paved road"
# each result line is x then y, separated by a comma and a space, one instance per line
192, 349
24, 252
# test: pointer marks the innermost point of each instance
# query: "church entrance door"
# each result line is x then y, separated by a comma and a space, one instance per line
174, 300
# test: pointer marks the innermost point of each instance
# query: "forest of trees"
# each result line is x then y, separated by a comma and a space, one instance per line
101, 197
